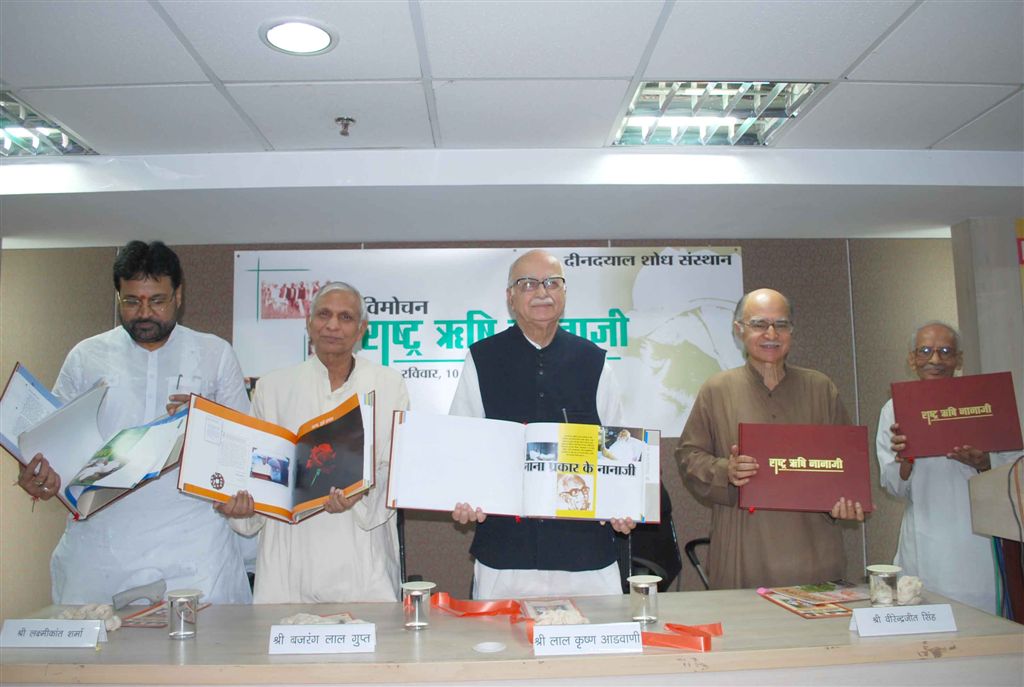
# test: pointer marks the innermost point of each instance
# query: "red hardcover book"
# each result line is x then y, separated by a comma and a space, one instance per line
937, 414
806, 467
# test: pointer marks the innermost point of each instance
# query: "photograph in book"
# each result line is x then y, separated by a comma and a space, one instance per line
289, 474
544, 469
330, 455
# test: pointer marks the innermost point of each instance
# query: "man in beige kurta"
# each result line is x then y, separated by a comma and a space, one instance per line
762, 548
350, 552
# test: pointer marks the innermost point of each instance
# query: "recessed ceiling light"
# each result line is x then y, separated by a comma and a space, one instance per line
298, 36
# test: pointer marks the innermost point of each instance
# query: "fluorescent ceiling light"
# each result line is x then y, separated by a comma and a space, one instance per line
298, 37
25, 132
711, 112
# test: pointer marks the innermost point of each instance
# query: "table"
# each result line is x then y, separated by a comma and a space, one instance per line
762, 644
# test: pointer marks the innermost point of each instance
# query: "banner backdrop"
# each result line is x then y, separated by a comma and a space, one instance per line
663, 314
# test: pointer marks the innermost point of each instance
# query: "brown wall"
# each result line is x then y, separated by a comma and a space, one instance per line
891, 283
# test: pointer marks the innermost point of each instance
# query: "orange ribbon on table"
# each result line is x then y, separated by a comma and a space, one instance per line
463, 608
692, 637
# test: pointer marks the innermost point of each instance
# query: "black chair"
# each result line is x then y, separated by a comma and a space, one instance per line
691, 554
400, 522
652, 549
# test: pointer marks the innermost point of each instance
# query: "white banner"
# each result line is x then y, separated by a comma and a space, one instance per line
663, 314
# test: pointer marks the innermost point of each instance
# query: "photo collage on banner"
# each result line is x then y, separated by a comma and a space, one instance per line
662, 314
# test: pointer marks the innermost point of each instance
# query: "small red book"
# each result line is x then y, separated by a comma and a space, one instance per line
806, 467
937, 414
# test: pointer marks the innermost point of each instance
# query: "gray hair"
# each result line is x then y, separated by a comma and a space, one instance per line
935, 323
338, 286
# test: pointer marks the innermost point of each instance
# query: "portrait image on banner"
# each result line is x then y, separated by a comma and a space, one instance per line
663, 314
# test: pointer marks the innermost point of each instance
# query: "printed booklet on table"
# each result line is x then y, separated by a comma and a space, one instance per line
544, 469
289, 474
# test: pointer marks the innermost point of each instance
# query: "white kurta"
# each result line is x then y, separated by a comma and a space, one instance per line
936, 540
491, 583
156, 531
331, 557
628, 450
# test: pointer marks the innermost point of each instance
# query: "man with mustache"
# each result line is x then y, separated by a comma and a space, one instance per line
149, 365
765, 547
535, 371
350, 553
937, 543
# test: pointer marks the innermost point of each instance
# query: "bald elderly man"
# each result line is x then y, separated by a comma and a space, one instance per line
535, 371
766, 547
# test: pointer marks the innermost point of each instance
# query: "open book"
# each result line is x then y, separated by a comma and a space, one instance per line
548, 470
92, 472
289, 474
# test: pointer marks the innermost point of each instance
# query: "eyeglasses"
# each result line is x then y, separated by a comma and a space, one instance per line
576, 493
527, 284
925, 352
758, 325
157, 303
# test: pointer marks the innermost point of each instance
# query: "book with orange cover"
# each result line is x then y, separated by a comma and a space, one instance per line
937, 414
289, 474
805, 467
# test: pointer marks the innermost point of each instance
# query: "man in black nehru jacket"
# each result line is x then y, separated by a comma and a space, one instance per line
535, 371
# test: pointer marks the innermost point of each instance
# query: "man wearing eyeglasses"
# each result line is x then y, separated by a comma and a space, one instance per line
149, 365
535, 371
765, 547
937, 543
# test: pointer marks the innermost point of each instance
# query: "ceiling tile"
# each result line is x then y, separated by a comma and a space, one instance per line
527, 114
1001, 128
148, 119
889, 116
376, 40
537, 39
975, 41
792, 40
84, 43
301, 116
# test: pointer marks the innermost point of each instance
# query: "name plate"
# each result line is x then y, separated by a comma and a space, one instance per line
350, 638
606, 638
52, 633
903, 620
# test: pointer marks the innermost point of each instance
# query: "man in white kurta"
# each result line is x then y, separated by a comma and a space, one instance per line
154, 532
330, 557
626, 449
936, 541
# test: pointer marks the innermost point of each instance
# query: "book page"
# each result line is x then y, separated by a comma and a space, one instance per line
585, 471
226, 451
440, 460
25, 402
67, 436
331, 452
133, 455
